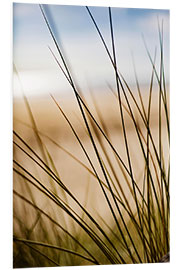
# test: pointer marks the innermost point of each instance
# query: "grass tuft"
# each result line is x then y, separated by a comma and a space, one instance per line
52, 225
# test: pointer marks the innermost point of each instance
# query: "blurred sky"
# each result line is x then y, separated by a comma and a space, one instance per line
83, 49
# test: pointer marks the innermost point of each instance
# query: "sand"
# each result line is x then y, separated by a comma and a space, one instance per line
80, 182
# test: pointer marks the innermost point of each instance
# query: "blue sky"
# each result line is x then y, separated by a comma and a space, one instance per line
78, 38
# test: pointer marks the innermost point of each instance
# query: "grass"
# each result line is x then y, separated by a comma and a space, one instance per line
66, 233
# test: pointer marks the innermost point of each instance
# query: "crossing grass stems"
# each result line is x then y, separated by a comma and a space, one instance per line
139, 232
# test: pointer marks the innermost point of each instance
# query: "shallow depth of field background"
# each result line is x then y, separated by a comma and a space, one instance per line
93, 73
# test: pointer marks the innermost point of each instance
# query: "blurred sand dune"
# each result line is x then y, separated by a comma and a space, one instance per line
50, 121
49, 118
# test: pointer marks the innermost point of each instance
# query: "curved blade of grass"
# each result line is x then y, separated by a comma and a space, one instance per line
51, 196
123, 206
48, 172
38, 251
54, 177
127, 104
77, 160
99, 159
102, 39
41, 145
53, 247
76, 92
158, 80
87, 124
104, 43
148, 178
150, 135
160, 133
56, 223
99, 138
109, 186
116, 153
143, 138
68, 192
121, 169
77, 95
123, 126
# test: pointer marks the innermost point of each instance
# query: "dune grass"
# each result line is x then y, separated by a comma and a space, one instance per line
139, 228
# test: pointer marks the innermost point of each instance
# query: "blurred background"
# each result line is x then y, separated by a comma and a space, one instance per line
92, 71
82, 46
38, 117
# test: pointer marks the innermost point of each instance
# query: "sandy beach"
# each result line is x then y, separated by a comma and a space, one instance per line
51, 123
